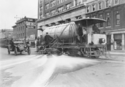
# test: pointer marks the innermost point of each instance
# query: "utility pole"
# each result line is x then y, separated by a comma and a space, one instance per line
25, 28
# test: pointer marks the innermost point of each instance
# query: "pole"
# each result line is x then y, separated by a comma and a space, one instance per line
25, 28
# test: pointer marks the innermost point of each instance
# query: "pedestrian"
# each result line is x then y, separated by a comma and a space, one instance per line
12, 44
37, 45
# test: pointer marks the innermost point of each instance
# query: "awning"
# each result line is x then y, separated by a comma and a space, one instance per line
89, 21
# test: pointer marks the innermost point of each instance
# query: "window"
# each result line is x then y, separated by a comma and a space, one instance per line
100, 5
94, 7
101, 24
116, 2
41, 8
53, 12
64, 8
60, 9
53, 3
107, 3
47, 6
88, 9
41, 2
117, 18
47, 14
118, 41
68, 6
108, 23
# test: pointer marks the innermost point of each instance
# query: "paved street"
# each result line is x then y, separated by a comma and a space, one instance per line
60, 71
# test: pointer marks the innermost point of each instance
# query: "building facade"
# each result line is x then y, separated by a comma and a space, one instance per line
49, 8
56, 11
25, 28
114, 12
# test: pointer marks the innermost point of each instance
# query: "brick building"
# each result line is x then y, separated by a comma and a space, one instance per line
114, 12
55, 11
25, 27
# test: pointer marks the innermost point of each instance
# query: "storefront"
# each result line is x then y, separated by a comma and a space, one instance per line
118, 40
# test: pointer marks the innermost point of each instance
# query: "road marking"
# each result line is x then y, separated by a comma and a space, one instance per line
15, 63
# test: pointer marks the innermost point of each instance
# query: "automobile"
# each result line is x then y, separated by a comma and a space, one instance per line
19, 47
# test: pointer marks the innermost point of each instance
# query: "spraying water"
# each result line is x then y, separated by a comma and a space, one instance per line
60, 65
40, 70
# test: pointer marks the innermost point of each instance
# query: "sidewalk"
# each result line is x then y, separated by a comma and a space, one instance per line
117, 52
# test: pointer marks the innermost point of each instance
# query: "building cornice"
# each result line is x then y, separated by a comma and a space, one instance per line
25, 19
105, 8
72, 9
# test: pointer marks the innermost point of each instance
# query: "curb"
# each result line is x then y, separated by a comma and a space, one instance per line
116, 53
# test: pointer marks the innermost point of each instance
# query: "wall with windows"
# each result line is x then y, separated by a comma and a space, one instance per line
41, 9
114, 14
24, 26
49, 8
58, 6
113, 11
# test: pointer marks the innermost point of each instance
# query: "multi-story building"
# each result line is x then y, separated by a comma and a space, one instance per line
25, 28
114, 12
56, 11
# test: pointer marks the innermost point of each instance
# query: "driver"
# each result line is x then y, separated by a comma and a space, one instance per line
95, 29
79, 31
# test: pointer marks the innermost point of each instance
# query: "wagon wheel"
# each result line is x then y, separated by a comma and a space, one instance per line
15, 50
28, 50
82, 52
8, 50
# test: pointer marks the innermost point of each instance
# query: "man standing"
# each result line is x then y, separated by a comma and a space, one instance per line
12, 44
95, 29
47, 39
37, 44
79, 31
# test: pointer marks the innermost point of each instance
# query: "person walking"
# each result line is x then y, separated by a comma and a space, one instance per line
37, 45
12, 44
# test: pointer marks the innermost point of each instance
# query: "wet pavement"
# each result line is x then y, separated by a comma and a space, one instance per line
61, 71
40, 71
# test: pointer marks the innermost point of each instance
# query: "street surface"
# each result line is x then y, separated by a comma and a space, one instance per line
60, 71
